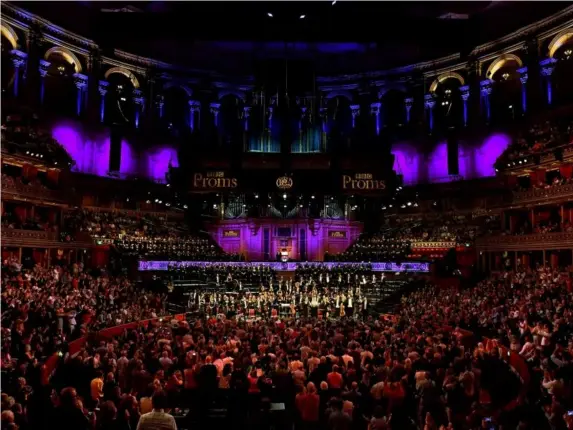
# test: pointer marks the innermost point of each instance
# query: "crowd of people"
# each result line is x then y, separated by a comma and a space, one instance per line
540, 137
143, 234
340, 368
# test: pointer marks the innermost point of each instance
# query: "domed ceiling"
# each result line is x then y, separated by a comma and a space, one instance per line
338, 36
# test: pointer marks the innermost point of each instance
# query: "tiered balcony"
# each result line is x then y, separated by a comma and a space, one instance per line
17, 191
41, 239
528, 242
552, 195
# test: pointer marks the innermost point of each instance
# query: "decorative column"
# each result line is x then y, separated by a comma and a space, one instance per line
547, 67
408, 103
81, 82
19, 60
465, 94
323, 114
246, 115
102, 89
375, 110
485, 91
139, 101
215, 109
523, 78
355, 112
194, 106
270, 116
43, 69
429, 104
160, 103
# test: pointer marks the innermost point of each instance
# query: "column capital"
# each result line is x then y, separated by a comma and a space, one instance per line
194, 105
355, 109
429, 101
303, 111
375, 108
247, 111
485, 87
43, 67
465, 92
323, 112
138, 97
214, 108
523, 75
159, 100
81, 81
102, 87
547, 66
19, 58
409, 102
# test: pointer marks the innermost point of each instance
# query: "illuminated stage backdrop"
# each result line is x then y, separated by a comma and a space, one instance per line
390, 266
301, 239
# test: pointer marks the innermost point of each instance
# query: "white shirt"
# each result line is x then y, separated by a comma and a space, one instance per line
156, 420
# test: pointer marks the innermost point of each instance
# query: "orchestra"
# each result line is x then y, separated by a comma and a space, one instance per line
304, 297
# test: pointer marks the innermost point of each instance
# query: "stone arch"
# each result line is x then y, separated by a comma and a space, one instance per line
339, 93
559, 40
68, 55
239, 94
386, 89
124, 72
185, 88
9, 33
444, 77
501, 61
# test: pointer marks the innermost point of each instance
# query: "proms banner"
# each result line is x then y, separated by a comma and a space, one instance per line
410, 267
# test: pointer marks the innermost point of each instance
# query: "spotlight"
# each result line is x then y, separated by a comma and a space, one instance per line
270, 15
409, 203
168, 185
301, 206
284, 196
302, 16
312, 197
156, 200
285, 206
389, 206
256, 196
214, 206
148, 201
383, 208
334, 2
184, 206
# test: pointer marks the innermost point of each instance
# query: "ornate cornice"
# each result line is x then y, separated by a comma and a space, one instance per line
528, 242
19, 18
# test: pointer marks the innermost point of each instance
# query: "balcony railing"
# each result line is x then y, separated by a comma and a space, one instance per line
540, 195
31, 192
527, 242
528, 162
13, 233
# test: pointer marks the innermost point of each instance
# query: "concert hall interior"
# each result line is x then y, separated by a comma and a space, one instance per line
287, 215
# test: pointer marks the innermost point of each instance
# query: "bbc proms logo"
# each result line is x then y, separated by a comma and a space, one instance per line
284, 183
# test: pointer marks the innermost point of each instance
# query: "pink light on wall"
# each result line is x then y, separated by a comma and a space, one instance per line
90, 151
128, 164
476, 159
157, 162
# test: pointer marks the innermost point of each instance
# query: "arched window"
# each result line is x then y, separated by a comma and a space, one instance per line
60, 91
119, 102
